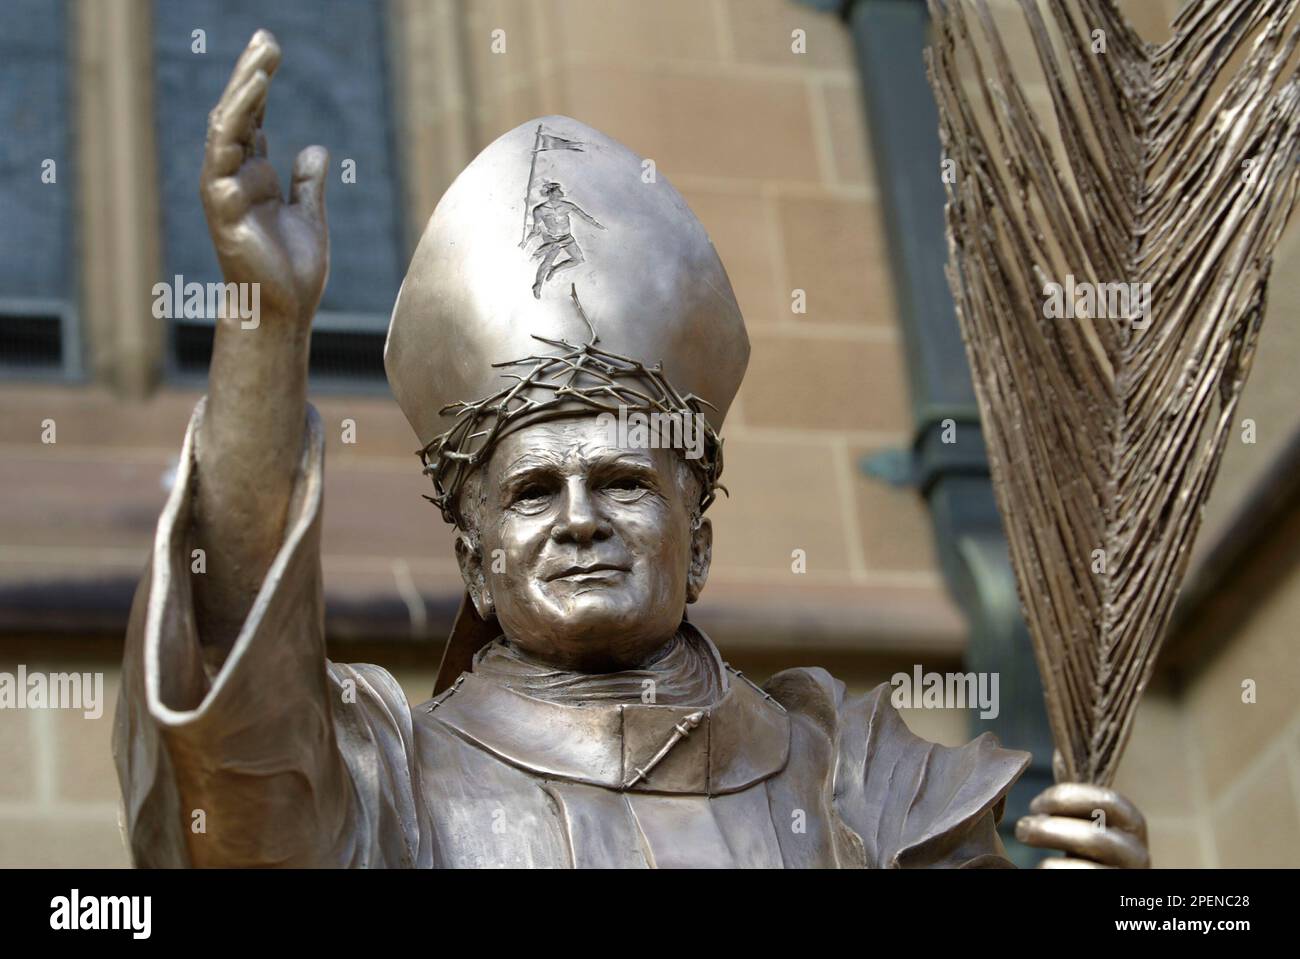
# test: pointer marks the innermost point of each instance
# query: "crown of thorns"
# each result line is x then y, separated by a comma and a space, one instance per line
617, 383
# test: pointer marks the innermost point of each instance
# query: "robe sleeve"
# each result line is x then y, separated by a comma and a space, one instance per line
279, 758
916, 804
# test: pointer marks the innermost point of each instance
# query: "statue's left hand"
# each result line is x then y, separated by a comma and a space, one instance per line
1094, 826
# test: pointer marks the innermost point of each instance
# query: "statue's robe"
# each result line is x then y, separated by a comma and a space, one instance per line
282, 758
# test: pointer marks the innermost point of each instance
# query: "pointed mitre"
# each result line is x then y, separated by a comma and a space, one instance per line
556, 236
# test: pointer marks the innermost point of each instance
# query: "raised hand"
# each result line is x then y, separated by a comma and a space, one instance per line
251, 442
259, 238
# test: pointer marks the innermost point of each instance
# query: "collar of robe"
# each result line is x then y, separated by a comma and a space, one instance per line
686, 671
724, 747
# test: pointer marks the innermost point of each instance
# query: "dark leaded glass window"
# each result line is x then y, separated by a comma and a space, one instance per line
38, 326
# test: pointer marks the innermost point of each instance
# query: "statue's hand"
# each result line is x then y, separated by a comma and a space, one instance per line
259, 238
1094, 826
250, 444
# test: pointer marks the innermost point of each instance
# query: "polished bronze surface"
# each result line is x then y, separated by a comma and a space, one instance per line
1110, 292
588, 723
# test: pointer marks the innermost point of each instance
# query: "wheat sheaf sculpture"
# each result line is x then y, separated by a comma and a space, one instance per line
1109, 254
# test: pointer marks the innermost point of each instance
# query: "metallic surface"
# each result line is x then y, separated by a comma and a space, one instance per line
239, 744
648, 279
1172, 183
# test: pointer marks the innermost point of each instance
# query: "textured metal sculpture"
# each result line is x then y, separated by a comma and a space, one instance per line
1109, 258
580, 719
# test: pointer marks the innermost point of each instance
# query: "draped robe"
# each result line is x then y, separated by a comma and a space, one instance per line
280, 757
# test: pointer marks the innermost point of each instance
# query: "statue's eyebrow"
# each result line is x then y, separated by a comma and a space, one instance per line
639, 459
531, 460
525, 471
533, 464
638, 463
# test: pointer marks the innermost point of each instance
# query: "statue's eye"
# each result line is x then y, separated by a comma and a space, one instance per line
626, 486
530, 496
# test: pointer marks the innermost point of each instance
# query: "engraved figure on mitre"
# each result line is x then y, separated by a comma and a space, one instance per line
580, 718
552, 220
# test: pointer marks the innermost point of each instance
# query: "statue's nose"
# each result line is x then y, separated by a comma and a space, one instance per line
579, 519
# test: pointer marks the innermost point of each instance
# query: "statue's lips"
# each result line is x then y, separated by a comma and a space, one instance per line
577, 572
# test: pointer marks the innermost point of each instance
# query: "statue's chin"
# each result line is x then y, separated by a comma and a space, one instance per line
594, 634
593, 624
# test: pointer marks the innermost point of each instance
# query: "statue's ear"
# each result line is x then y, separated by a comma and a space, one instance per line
701, 557
469, 556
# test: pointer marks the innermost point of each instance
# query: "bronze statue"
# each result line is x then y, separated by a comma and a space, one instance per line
594, 725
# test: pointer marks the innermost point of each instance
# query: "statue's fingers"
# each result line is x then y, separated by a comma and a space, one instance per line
224, 161
233, 108
259, 111
259, 144
261, 54
258, 180
1080, 838
251, 111
224, 200
307, 192
233, 127
1082, 800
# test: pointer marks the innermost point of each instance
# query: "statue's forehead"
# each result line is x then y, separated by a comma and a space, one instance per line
577, 441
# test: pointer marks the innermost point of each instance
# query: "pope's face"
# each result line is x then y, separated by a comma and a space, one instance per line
586, 550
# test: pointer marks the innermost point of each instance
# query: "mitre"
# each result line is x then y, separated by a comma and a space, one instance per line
557, 265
